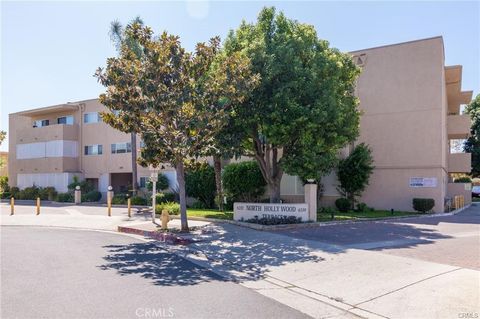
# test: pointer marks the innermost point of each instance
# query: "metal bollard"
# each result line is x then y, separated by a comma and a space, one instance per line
129, 205
12, 206
38, 205
109, 207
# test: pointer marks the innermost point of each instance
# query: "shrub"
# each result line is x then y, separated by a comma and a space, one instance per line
14, 191
29, 193
463, 179
275, 220
329, 211
162, 183
119, 199
137, 200
47, 193
92, 196
198, 205
64, 197
4, 184
85, 186
165, 197
200, 183
5, 195
423, 204
171, 207
243, 182
362, 207
343, 204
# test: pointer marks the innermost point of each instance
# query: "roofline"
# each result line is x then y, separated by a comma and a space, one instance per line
401, 43
45, 108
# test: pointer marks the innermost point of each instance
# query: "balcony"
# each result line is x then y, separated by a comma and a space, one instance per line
459, 163
48, 133
458, 126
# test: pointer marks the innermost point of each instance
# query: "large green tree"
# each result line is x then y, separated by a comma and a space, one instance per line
3, 135
304, 109
178, 100
472, 145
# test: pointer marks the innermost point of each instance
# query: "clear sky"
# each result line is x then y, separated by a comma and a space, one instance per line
50, 50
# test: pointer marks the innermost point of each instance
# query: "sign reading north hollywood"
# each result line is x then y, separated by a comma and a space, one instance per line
423, 182
250, 210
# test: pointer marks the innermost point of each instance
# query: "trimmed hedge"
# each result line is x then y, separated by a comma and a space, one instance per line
464, 179
275, 220
423, 204
65, 197
343, 204
243, 182
137, 200
92, 196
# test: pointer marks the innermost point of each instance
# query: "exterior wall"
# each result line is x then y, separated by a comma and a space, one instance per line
464, 189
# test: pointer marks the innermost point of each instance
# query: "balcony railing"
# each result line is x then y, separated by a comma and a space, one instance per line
459, 163
458, 126
48, 133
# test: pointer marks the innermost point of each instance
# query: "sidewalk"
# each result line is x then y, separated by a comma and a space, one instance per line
325, 280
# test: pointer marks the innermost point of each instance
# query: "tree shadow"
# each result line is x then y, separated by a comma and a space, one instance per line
150, 262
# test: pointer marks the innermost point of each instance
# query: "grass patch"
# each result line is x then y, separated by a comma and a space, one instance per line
322, 217
209, 213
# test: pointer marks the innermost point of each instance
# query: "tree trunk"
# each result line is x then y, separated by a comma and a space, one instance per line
133, 141
181, 190
274, 191
217, 165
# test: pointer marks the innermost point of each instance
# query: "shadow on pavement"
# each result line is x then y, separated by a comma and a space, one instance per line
150, 262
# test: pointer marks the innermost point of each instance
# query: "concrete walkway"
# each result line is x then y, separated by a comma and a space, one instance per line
78, 216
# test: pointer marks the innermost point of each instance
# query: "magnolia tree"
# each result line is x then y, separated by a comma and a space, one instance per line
178, 100
304, 109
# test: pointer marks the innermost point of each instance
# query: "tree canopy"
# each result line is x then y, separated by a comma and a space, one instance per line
472, 145
177, 100
304, 110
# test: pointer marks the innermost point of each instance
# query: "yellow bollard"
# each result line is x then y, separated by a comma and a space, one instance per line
38, 205
165, 219
12, 206
109, 205
129, 205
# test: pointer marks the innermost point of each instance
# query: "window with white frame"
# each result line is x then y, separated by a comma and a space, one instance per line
93, 149
119, 148
92, 117
41, 123
67, 120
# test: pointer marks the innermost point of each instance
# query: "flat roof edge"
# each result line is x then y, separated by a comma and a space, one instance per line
401, 43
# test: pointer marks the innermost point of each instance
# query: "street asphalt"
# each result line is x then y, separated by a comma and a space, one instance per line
59, 273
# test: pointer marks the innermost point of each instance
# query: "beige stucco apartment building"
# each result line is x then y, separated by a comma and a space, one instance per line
411, 105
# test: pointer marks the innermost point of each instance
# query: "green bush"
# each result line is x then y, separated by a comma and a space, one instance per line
29, 193
171, 207
198, 205
47, 193
463, 179
200, 183
275, 220
423, 204
165, 197
328, 211
162, 183
362, 207
119, 199
4, 184
137, 200
85, 186
343, 204
92, 196
243, 182
14, 191
64, 197
5, 195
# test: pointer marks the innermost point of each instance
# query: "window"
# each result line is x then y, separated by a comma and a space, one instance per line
119, 148
144, 181
41, 123
92, 117
68, 120
93, 149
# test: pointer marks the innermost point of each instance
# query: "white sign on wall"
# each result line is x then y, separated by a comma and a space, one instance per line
423, 182
250, 210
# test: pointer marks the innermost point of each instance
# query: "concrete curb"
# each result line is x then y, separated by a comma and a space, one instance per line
168, 238
323, 224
